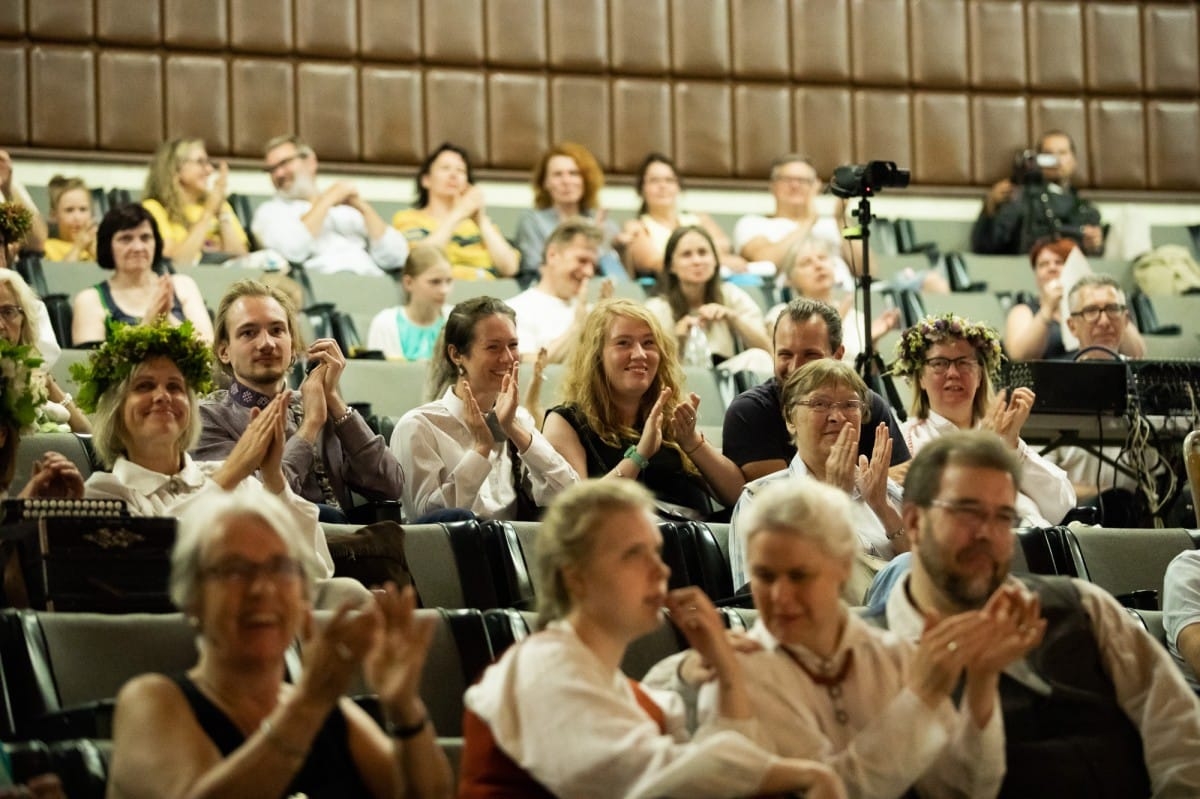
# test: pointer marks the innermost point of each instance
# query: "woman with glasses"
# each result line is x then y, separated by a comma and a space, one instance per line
825, 406
189, 204
949, 361
234, 724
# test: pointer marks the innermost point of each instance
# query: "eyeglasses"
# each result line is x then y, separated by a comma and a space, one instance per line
1092, 312
978, 515
245, 572
11, 313
939, 366
825, 407
282, 162
795, 180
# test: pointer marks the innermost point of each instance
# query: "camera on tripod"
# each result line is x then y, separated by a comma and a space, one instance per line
865, 180
1029, 167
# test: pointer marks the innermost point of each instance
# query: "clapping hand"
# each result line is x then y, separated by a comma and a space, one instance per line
54, 477
651, 440
397, 655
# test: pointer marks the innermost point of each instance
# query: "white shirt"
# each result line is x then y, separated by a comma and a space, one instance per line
442, 469
721, 337
575, 726
150, 493
872, 536
1046, 493
541, 318
775, 228
342, 245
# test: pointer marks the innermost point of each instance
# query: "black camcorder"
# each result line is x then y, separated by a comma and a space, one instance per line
1029, 165
865, 180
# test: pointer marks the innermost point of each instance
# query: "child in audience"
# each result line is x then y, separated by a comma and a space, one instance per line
71, 210
408, 332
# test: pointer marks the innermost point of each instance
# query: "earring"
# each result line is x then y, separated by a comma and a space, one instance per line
461, 371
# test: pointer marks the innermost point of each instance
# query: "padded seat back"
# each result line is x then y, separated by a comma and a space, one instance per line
652, 647
36, 445
458, 654
1125, 561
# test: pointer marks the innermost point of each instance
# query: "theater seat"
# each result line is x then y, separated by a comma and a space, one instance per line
81, 764
1129, 563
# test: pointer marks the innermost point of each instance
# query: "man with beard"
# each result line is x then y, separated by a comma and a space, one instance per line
330, 450
1097, 709
335, 230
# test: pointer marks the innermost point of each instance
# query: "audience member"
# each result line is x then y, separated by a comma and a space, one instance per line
1181, 614
566, 183
658, 184
1100, 319
755, 435
407, 332
141, 387
1033, 328
129, 244
624, 414
1015, 216
825, 406
13, 191
232, 725
71, 212
1097, 709
550, 314
600, 585
330, 451
691, 295
15, 222
449, 213
823, 683
334, 230
950, 362
809, 269
189, 205
22, 317
474, 447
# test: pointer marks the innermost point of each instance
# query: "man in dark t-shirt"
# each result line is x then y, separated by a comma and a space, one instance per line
755, 436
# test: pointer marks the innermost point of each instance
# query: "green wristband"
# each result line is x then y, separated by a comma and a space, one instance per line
637, 458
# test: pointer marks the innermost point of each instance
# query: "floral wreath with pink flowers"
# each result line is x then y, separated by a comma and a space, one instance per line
916, 341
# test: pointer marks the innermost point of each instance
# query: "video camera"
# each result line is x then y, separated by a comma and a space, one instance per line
1029, 165
865, 180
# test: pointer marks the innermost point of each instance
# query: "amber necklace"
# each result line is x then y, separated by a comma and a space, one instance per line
832, 683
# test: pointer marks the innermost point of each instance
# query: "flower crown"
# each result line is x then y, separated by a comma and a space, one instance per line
22, 391
15, 221
126, 346
916, 341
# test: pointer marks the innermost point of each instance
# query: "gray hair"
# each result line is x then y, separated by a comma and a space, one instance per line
805, 508
1094, 281
203, 523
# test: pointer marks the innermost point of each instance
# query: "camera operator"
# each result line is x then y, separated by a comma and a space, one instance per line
1038, 201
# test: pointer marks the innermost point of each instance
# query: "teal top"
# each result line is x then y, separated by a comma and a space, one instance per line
416, 342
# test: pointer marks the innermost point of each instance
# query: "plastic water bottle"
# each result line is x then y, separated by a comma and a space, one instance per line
696, 351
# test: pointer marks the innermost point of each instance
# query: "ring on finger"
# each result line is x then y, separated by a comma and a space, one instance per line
952, 646
343, 651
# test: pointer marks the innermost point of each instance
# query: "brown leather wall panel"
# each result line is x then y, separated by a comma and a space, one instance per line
640, 36
700, 38
61, 19
823, 122
941, 138
578, 35
1170, 35
641, 121
393, 129
131, 100
129, 21
882, 127
14, 125
516, 33
62, 84
455, 110
197, 100
760, 39
762, 124
260, 26
12, 20
326, 28
1055, 45
999, 128
453, 31
1114, 47
1067, 114
879, 41
938, 43
581, 111
1173, 136
820, 40
1117, 143
518, 119
327, 109
196, 23
263, 103
703, 128
997, 45
390, 29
